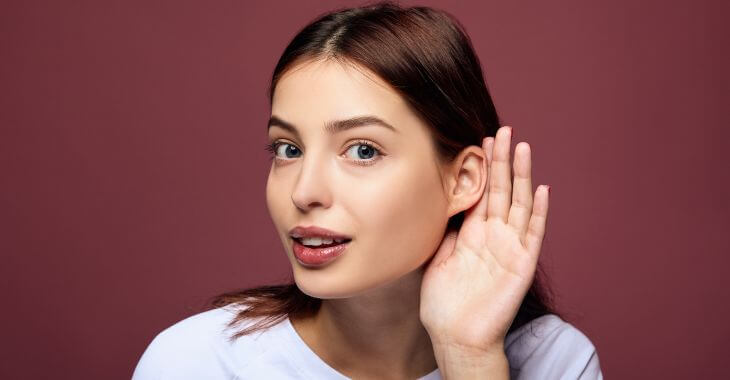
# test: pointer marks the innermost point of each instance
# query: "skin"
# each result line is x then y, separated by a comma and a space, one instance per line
388, 307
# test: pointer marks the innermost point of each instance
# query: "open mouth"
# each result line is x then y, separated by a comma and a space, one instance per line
309, 254
321, 243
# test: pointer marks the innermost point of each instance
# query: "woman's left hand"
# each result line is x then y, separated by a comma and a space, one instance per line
475, 283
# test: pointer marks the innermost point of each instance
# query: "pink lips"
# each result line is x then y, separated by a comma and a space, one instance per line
317, 256
314, 231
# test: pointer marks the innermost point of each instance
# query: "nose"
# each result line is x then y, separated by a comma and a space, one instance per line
312, 187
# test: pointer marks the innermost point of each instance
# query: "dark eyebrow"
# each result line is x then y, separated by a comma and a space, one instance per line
335, 126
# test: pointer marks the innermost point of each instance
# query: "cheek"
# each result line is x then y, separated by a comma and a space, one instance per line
271, 198
401, 218
276, 197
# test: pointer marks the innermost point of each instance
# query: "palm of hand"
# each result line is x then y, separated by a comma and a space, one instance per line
473, 287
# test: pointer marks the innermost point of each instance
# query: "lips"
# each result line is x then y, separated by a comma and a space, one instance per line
318, 256
323, 244
316, 231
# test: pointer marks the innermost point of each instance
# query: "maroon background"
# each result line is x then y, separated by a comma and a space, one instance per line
133, 170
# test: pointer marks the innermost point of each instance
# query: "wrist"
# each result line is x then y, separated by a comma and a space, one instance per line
458, 362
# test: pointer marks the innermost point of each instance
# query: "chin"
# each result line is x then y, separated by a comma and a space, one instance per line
319, 284
338, 284
317, 292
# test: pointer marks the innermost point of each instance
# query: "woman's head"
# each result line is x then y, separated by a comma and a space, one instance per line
415, 69
392, 188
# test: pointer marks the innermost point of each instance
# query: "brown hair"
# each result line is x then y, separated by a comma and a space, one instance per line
426, 56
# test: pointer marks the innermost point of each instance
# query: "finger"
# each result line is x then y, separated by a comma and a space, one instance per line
500, 183
488, 150
536, 229
521, 209
480, 210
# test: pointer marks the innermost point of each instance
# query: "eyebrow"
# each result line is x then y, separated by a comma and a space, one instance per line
335, 126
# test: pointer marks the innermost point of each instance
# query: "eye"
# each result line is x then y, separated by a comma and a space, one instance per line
274, 149
364, 152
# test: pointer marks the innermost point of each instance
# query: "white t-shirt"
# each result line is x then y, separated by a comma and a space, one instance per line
198, 348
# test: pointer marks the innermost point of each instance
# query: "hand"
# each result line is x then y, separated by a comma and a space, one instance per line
473, 287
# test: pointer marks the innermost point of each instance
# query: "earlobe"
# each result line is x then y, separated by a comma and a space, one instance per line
467, 179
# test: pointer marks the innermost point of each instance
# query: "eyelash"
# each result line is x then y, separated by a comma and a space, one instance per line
272, 147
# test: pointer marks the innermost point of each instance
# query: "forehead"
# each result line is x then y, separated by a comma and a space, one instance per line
313, 92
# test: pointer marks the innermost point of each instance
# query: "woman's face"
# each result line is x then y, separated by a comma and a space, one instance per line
388, 198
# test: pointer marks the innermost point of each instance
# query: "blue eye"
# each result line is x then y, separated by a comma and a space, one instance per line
273, 148
364, 149
365, 153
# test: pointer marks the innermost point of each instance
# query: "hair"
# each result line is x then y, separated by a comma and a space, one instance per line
427, 57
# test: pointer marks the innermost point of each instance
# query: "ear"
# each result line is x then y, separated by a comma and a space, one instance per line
465, 179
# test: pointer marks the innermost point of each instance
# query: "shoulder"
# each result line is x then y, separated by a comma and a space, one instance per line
194, 348
548, 347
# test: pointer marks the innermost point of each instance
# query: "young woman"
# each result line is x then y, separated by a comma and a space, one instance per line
413, 236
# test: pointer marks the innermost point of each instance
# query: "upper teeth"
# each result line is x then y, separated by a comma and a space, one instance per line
319, 241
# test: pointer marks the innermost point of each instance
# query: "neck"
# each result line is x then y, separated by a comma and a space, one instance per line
375, 334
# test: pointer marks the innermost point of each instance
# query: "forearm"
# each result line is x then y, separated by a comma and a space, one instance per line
458, 363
